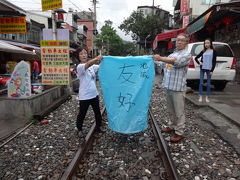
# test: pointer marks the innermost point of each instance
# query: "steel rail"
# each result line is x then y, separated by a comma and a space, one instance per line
163, 150
38, 116
73, 166
15, 135
162, 147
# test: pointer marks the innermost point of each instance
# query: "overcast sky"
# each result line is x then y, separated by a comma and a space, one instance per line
114, 10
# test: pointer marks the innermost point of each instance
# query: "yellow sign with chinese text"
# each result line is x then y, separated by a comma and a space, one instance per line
51, 4
13, 24
55, 62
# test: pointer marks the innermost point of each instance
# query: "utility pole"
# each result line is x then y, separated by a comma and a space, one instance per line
94, 14
54, 28
153, 7
94, 24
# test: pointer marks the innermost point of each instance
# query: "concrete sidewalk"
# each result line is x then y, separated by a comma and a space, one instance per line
9, 127
225, 102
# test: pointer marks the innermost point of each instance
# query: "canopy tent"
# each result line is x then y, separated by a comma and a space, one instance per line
5, 47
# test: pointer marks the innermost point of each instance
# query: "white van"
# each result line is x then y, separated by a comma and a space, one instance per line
224, 71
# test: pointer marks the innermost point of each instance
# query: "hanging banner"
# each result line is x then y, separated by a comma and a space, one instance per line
19, 84
126, 83
184, 7
51, 4
185, 21
55, 62
13, 24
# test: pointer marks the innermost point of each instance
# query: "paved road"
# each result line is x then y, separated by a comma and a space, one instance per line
226, 102
223, 112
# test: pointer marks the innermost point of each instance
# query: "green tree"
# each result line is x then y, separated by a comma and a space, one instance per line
109, 41
129, 49
140, 26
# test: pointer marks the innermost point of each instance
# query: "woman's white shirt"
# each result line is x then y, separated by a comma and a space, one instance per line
87, 78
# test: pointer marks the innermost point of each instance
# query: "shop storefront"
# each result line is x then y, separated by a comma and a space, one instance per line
9, 56
221, 23
164, 43
15, 110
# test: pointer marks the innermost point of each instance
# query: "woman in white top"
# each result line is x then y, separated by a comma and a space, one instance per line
88, 94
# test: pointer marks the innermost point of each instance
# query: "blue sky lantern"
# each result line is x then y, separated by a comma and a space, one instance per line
126, 84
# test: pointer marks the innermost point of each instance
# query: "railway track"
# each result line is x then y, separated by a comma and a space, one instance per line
146, 156
37, 116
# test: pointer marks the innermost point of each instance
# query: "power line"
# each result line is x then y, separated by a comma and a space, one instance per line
71, 2
34, 2
74, 5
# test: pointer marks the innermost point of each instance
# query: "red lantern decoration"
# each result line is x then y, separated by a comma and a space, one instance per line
170, 44
60, 17
227, 21
210, 29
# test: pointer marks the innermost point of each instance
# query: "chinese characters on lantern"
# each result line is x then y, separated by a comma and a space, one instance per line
126, 83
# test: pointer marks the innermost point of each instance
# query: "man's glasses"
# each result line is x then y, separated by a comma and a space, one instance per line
182, 40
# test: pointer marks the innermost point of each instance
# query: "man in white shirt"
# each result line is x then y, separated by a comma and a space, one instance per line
175, 74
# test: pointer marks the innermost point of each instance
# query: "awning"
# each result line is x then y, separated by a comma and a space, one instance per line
5, 47
199, 24
214, 14
167, 35
22, 45
9, 9
170, 34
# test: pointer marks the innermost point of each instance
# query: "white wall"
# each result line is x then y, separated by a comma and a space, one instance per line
198, 7
38, 18
68, 18
174, 3
145, 11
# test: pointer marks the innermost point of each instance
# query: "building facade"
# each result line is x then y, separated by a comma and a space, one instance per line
194, 8
87, 19
163, 14
82, 35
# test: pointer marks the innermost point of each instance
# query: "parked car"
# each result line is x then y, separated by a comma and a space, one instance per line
224, 71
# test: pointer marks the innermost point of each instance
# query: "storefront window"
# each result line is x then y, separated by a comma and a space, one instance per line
34, 36
4, 36
230, 36
22, 37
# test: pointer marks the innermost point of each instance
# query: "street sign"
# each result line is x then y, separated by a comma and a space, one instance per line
55, 62
185, 21
184, 7
51, 4
13, 24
